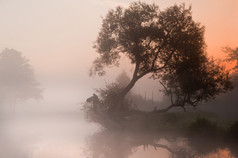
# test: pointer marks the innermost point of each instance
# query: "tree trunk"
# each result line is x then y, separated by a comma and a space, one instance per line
165, 109
123, 93
127, 88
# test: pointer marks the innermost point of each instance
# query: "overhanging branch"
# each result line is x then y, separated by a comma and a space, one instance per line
169, 92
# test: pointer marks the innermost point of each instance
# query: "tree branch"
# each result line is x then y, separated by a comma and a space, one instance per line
156, 56
169, 92
132, 82
166, 109
150, 70
156, 145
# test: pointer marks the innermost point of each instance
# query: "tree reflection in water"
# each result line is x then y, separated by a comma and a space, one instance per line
124, 144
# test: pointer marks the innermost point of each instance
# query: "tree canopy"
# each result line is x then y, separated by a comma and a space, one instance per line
17, 79
232, 56
169, 45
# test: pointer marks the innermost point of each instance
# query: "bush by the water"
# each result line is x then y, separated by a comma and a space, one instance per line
233, 130
203, 127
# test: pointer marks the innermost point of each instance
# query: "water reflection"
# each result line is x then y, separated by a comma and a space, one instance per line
124, 144
56, 135
53, 135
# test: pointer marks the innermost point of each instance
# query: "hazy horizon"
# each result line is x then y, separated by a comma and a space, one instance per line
57, 37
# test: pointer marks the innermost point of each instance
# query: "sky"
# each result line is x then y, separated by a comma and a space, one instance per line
57, 35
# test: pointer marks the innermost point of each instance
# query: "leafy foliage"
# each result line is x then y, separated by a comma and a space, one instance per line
232, 131
192, 81
101, 108
232, 55
150, 38
17, 80
169, 45
109, 97
203, 126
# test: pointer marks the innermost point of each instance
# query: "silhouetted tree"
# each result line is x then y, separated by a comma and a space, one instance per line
232, 56
17, 80
109, 143
192, 81
169, 45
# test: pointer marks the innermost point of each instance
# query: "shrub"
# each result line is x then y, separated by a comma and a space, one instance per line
233, 130
203, 127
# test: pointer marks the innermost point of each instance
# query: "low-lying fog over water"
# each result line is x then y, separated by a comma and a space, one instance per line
51, 128
47, 48
29, 132
68, 135
56, 127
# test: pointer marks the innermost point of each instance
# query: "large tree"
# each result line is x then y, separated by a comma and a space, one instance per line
17, 79
169, 45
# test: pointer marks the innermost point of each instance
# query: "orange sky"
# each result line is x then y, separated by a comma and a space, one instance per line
57, 35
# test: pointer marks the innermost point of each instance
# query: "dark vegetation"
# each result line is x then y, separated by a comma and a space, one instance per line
200, 134
169, 46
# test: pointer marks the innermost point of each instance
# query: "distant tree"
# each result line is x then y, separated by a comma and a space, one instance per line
17, 80
123, 79
169, 45
232, 56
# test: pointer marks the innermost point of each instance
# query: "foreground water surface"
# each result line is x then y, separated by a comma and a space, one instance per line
69, 135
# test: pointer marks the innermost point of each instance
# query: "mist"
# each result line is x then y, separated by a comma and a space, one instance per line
47, 49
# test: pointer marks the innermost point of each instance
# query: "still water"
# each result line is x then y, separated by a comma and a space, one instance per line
44, 136
69, 135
